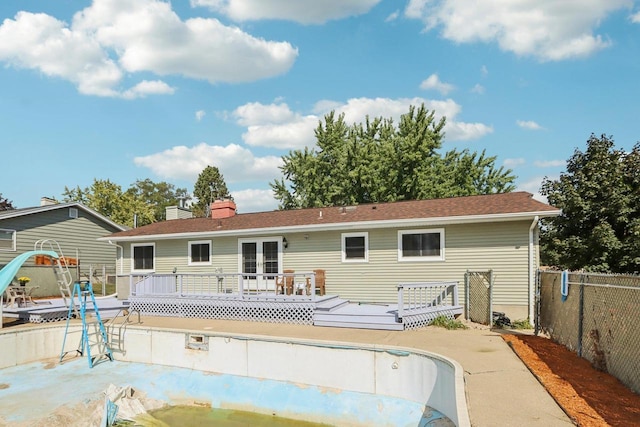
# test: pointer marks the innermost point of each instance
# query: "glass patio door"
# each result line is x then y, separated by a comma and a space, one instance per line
258, 259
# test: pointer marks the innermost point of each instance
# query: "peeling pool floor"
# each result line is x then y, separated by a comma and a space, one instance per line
30, 392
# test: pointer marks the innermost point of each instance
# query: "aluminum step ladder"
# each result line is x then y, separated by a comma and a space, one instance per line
94, 342
60, 270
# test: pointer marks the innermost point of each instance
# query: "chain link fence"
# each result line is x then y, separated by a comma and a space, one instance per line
478, 293
596, 316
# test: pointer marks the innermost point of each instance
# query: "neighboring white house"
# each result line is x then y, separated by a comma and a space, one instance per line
366, 250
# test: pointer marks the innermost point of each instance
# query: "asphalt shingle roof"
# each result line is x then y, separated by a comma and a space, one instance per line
493, 204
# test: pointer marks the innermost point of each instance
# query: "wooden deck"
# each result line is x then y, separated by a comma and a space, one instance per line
328, 310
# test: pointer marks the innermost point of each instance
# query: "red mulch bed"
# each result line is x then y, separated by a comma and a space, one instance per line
590, 397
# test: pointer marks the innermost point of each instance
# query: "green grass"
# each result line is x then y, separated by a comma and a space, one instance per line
445, 322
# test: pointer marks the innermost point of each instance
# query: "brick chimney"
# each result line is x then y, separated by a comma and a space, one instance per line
223, 209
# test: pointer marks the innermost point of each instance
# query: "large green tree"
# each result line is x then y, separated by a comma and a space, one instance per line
209, 186
158, 195
108, 199
599, 194
376, 161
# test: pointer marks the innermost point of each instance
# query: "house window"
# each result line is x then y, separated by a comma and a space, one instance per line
73, 213
355, 247
421, 245
7, 240
143, 257
200, 253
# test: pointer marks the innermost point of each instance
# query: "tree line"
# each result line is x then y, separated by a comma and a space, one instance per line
377, 161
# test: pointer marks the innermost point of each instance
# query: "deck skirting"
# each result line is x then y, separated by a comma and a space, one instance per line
418, 320
254, 309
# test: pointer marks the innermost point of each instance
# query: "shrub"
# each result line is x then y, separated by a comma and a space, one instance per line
445, 322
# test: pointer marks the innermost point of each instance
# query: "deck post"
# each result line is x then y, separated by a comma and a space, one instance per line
455, 294
400, 301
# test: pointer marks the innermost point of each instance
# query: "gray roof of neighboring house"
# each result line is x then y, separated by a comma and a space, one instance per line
15, 213
492, 207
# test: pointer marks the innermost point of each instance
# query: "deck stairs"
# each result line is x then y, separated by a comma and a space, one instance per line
339, 313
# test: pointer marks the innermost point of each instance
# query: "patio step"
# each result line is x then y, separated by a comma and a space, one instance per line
360, 317
331, 303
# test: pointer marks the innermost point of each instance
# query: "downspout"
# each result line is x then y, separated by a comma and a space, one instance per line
532, 278
121, 253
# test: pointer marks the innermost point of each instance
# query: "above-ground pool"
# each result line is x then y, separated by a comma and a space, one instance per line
328, 382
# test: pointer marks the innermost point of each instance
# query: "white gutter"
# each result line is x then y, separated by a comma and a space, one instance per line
411, 222
121, 257
532, 278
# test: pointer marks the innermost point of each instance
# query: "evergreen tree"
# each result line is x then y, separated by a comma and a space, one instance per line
209, 187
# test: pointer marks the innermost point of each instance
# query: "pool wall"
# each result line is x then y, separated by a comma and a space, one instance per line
408, 374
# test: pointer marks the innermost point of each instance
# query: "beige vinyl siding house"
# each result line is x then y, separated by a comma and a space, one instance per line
73, 226
362, 248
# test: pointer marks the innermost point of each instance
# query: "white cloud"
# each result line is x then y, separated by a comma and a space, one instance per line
433, 82
146, 87
392, 16
546, 29
254, 200
550, 163
301, 11
41, 42
200, 114
529, 124
236, 163
277, 126
484, 71
114, 38
478, 88
635, 18
295, 134
254, 113
511, 163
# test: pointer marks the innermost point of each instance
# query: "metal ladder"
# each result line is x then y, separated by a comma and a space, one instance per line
117, 327
94, 341
60, 269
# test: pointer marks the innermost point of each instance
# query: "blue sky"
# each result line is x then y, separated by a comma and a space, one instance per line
126, 90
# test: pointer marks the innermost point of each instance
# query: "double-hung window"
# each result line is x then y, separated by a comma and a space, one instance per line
355, 247
143, 257
7, 240
200, 252
421, 245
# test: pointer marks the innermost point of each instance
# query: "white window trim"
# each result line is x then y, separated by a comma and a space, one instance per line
441, 257
15, 234
73, 213
199, 242
134, 245
344, 236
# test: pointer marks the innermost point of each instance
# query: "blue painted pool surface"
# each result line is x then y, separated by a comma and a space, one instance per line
51, 385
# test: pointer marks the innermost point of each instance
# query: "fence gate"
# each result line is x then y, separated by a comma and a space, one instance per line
478, 289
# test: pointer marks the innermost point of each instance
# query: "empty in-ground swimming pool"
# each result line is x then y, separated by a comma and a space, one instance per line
324, 382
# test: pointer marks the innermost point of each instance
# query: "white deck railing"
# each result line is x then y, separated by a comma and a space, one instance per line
241, 285
414, 298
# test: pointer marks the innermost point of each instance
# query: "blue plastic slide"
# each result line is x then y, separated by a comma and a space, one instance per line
10, 270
